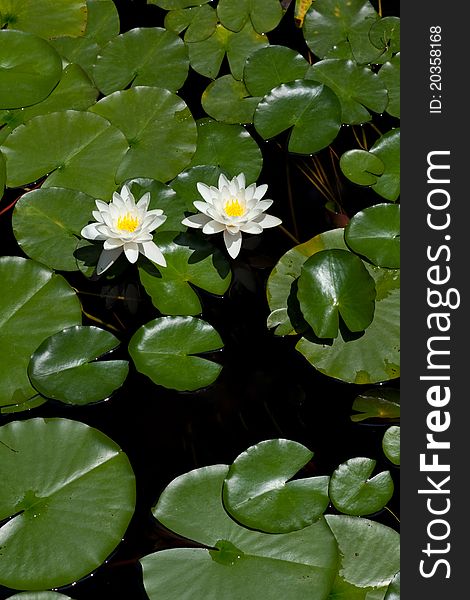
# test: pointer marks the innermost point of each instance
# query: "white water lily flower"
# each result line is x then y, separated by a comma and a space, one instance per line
125, 227
233, 209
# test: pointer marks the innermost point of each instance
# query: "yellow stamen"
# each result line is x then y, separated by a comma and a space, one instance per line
233, 208
128, 222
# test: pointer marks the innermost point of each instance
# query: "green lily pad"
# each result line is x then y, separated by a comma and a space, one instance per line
81, 150
81, 51
258, 494
190, 261
340, 29
382, 403
74, 91
375, 233
354, 493
3, 174
311, 111
29, 68
342, 590
265, 15
373, 356
391, 444
27, 319
241, 563
147, 56
390, 76
39, 596
66, 486
176, 4
385, 34
358, 88
64, 366
361, 167
159, 128
165, 350
229, 147
206, 56
185, 184
226, 99
47, 223
163, 197
281, 290
393, 592
199, 22
370, 551
334, 284
268, 67
68, 17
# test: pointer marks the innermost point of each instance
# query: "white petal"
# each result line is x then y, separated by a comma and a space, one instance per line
91, 233
249, 192
131, 250
213, 227
232, 228
260, 191
102, 206
98, 216
263, 205
197, 221
202, 206
111, 243
233, 243
106, 259
153, 253
223, 181
251, 227
125, 192
241, 181
267, 221
144, 202
205, 191
233, 187
117, 202
151, 222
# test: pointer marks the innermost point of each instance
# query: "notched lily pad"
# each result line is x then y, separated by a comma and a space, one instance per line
361, 167
199, 22
258, 494
226, 99
64, 366
264, 15
382, 403
390, 75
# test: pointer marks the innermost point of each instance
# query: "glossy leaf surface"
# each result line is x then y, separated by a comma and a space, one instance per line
390, 75
382, 403
67, 18
391, 444
226, 99
199, 22
264, 15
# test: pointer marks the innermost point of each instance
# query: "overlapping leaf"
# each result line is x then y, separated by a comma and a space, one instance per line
390, 75
264, 15
69, 17
383, 403
199, 22
226, 99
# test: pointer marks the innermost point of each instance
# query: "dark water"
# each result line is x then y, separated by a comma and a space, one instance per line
266, 389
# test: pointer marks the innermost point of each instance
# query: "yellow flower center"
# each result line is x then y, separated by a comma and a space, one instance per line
233, 208
128, 222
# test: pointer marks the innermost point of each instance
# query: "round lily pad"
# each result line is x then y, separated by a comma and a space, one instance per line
258, 494
390, 75
47, 224
200, 22
311, 111
69, 17
385, 33
361, 167
185, 184
265, 15
35, 304
354, 493
29, 68
159, 128
387, 148
146, 56
64, 366
39, 596
333, 284
375, 233
391, 444
69, 493
165, 350
382, 403
228, 100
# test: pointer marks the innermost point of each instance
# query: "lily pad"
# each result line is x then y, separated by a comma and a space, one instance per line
39, 596
66, 486
342, 590
81, 150
175, 4
282, 297
185, 184
258, 495
382, 403
27, 319
165, 350
206, 56
358, 88
74, 91
190, 261
390, 76
146, 56
393, 592
334, 284
199, 22
228, 100
67, 18
354, 493
391, 444
47, 223
373, 356
385, 34
370, 551
159, 128
64, 366
311, 111
340, 29
362, 167
81, 51
29, 68
268, 67
264, 15
375, 233
229, 147
241, 563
